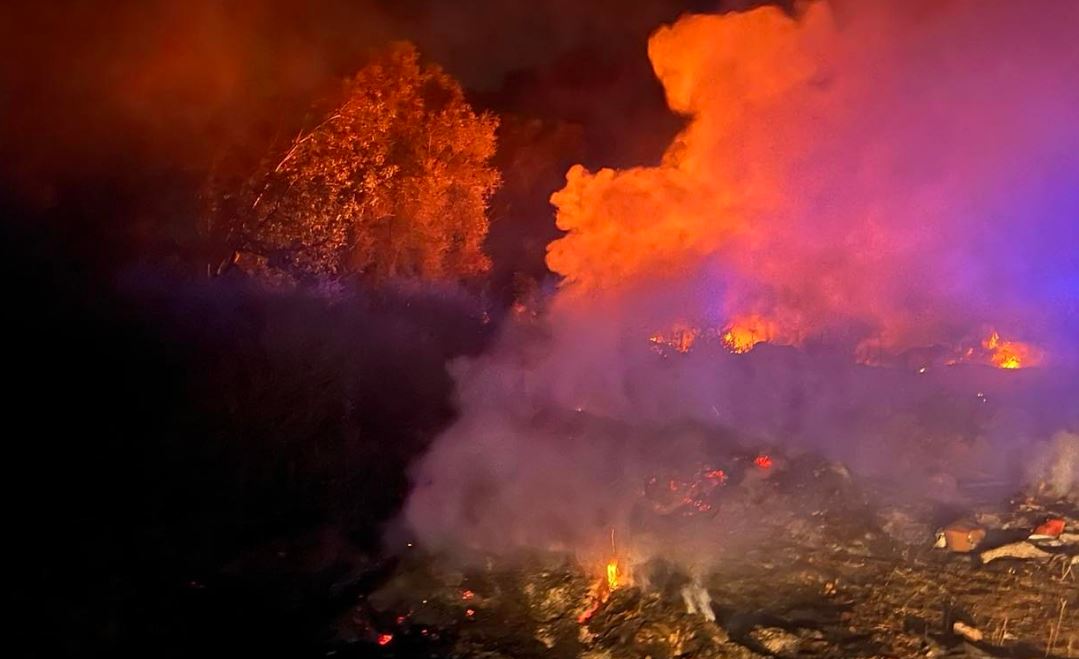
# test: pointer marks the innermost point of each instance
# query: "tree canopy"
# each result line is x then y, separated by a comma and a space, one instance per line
392, 180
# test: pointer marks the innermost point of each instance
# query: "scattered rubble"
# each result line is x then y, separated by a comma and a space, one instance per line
1049, 529
778, 641
1020, 550
832, 575
963, 537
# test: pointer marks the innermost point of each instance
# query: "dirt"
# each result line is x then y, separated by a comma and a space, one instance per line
839, 576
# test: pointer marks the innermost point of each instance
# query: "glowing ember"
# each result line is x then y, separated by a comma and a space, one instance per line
384, 639
467, 594
587, 614
717, 475
686, 495
744, 333
763, 461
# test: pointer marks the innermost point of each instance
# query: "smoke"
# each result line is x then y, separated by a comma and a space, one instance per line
116, 117
171, 82
870, 182
906, 179
1055, 468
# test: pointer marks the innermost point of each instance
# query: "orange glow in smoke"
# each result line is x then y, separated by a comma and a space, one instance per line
763, 461
776, 103
1008, 354
680, 338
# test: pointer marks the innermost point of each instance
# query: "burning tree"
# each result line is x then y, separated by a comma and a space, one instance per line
392, 181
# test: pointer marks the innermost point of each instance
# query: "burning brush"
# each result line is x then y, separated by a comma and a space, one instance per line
600, 592
693, 494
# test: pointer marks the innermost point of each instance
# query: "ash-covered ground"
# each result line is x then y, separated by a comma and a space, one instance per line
833, 569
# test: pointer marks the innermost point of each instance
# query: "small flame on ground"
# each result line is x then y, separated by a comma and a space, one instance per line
587, 614
384, 639
612, 574
680, 338
763, 461
601, 591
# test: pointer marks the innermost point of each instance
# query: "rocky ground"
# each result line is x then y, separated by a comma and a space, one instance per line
836, 574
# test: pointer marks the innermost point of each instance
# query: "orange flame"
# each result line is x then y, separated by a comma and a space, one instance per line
602, 589
768, 95
744, 333
612, 574
587, 614
1008, 354
680, 338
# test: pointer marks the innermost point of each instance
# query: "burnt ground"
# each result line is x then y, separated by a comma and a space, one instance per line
220, 488
837, 574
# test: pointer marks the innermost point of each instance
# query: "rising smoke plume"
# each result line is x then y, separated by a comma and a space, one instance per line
884, 193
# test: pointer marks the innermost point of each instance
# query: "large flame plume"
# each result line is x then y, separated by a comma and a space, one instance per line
858, 184
837, 177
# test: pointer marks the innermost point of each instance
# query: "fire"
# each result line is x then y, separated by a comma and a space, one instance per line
755, 204
601, 590
741, 335
384, 639
1008, 354
998, 352
612, 574
763, 461
587, 614
680, 338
